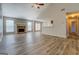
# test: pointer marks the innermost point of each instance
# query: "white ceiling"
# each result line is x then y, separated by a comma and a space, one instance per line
49, 11
54, 10
22, 10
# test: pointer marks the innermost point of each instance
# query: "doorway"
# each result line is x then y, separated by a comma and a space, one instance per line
72, 24
73, 27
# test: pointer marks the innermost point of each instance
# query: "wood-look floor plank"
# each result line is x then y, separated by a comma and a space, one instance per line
38, 44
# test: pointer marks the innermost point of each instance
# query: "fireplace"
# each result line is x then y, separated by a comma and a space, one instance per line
21, 29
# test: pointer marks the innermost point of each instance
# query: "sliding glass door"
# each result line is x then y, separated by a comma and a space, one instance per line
9, 26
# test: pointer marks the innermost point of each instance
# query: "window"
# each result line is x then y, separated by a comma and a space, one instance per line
37, 26
9, 25
29, 26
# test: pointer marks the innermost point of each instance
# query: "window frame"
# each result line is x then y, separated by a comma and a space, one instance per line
4, 25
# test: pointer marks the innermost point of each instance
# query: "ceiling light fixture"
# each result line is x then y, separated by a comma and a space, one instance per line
38, 5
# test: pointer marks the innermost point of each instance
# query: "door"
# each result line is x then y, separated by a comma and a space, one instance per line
73, 27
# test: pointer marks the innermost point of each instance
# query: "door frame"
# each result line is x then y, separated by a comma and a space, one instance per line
68, 26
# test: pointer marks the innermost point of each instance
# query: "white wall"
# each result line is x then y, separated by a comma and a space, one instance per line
1, 24
59, 18
52, 12
58, 28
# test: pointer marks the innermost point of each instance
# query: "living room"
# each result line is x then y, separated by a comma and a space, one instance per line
39, 29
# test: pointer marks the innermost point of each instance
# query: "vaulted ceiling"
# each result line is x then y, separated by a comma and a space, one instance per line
22, 10
49, 11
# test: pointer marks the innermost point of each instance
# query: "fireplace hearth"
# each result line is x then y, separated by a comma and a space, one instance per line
21, 29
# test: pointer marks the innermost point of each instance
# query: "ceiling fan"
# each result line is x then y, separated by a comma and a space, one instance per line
38, 5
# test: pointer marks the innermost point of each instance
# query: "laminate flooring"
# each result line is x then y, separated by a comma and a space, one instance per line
35, 43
